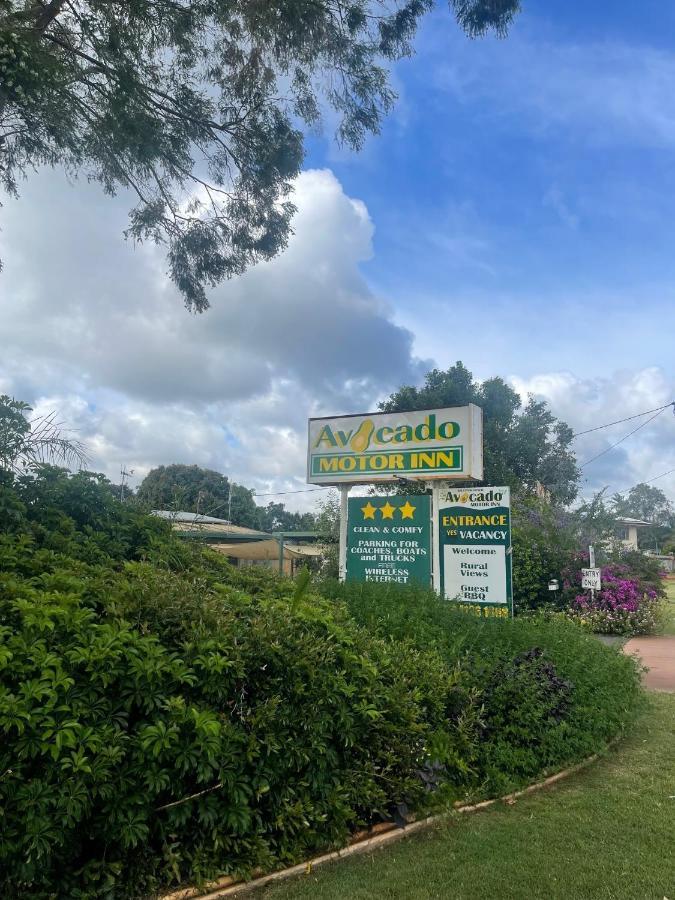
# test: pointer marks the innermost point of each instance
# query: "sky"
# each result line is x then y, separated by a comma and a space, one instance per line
515, 213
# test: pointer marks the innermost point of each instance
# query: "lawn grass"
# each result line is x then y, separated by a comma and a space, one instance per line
669, 608
607, 833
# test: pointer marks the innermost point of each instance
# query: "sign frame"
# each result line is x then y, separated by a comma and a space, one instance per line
389, 539
591, 579
444, 443
498, 608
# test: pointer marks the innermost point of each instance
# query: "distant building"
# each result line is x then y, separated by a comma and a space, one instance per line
282, 551
626, 531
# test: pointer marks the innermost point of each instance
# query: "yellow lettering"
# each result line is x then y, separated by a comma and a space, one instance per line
328, 465
347, 463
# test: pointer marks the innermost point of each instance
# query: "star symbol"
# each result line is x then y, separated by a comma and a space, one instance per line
407, 510
368, 511
387, 510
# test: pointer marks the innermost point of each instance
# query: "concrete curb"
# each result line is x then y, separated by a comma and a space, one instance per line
387, 833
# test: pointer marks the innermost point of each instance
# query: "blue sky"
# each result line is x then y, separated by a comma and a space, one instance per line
517, 212
529, 180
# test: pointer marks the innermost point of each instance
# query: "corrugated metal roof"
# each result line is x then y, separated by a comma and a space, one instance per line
626, 520
189, 524
193, 518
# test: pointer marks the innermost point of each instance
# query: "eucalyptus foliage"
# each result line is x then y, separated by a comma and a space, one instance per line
197, 106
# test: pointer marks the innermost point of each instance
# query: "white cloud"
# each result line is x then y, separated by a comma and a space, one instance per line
587, 403
92, 327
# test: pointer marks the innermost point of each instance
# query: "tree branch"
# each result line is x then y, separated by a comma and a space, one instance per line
47, 16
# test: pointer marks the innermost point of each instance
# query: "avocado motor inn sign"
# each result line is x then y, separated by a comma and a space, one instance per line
474, 534
374, 447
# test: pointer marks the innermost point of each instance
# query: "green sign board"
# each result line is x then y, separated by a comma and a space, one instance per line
389, 539
474, 529
426, 444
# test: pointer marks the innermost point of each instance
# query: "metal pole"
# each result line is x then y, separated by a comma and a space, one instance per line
435, 537
342, 551
280, 538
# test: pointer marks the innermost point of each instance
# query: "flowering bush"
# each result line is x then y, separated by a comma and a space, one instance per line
543, 546
623, 606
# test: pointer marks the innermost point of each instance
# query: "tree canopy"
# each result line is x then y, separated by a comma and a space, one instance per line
197, 106
275, 517
523, 446
646, 502
649, 503
204, 491
193, 489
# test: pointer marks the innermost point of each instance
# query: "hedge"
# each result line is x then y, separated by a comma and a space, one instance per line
165, 718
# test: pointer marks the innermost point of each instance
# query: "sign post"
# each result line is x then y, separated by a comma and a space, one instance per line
389, 539
342, 547
474, 548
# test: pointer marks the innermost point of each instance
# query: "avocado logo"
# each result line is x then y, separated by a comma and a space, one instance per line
478, 496
361, 439
368, 434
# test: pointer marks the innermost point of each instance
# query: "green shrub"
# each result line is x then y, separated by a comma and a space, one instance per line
165, 717
603, 685
159, 727
543, 547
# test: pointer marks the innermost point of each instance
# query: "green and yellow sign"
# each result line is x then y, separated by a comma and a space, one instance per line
435, 443
389, 539
474, 529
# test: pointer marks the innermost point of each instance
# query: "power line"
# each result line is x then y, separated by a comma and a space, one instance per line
625, 437
274, 494
648, 481
302, 491
627, 419
662, 475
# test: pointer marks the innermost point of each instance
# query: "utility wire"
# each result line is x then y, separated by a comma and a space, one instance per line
275, 494
662, 475
576, 435
625, 437
648, 481
627, 419
301, 491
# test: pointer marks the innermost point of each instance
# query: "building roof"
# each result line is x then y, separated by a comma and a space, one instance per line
208, 528
191, 524
638, 523
188, 517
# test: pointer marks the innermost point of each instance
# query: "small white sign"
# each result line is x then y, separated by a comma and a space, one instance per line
590, 579
475, 574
